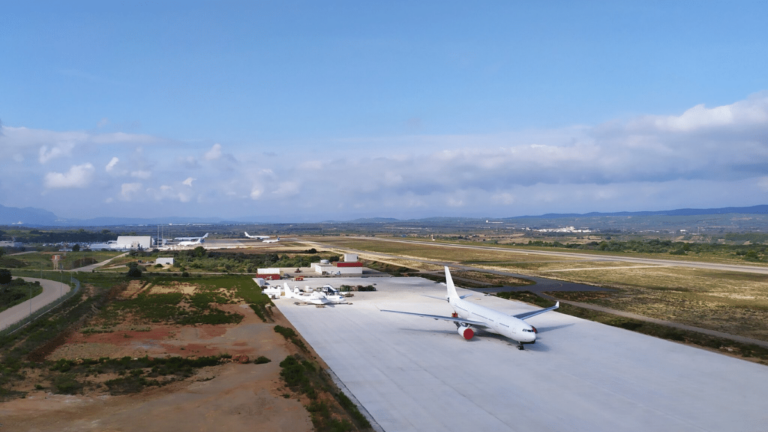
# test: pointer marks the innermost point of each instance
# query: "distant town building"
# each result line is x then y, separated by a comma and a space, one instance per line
164, 261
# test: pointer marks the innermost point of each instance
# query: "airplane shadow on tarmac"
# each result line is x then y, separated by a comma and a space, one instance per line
481, 335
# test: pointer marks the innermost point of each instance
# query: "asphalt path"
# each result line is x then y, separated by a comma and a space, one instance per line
586, 257
52, 290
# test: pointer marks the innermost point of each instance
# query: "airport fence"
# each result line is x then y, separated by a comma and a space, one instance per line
75, 284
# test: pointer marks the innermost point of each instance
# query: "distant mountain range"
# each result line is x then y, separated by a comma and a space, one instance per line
30, 216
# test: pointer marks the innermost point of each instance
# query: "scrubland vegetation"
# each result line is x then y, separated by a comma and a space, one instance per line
17, 291
305, 377
104, 303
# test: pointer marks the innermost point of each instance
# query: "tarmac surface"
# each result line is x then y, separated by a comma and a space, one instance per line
417, 374
51, 291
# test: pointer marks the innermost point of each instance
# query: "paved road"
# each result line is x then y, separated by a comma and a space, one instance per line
92, 267
587, 257
51, 291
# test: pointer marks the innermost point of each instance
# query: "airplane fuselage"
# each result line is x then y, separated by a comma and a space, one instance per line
499, 323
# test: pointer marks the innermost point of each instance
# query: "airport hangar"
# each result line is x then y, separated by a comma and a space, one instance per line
418, 374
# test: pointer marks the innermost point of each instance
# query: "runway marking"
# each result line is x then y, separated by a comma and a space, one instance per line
605, 268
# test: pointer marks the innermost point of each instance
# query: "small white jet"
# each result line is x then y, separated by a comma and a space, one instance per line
272, 241
468, 315
316, 297
190, 239
256, 237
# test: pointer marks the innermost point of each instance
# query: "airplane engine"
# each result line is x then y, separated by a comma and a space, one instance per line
466, 332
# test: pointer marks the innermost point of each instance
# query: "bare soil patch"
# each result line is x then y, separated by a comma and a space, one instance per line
225, 397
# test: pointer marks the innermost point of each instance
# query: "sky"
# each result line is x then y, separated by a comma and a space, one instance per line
303, 111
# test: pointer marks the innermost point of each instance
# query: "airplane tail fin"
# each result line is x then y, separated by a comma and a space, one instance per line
452, 294
206, 235
246, 234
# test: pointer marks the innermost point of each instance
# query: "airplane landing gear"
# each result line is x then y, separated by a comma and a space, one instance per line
520, 346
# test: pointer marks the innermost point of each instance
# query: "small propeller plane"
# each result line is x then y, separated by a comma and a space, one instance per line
467, 315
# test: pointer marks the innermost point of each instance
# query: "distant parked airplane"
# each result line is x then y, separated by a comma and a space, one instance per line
256, 237
190, 239
272, 241
467, 315
193, 241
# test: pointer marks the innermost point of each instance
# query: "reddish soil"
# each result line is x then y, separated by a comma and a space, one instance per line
227, 397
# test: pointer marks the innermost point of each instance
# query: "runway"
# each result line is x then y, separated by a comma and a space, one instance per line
417, 374
52, 290
589, 257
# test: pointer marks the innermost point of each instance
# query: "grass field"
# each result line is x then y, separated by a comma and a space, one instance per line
735, 303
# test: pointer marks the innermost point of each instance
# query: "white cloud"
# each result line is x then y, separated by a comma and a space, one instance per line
111, 165
613, 166
762, 183
78, 176
288, 188
256, 192
59, 150
214, 153
141, 174
130, 191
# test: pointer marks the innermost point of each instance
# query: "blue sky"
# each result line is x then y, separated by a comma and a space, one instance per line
313, 110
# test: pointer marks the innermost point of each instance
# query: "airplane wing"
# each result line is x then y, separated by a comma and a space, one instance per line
530, 314
445, 298
444, 318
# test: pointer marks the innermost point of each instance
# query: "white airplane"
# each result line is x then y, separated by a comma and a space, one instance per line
256, 237
467, 315
199, 241
316, 297
272, 241
190, 239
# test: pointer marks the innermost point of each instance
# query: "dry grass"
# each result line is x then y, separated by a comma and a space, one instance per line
730, 302
439, 252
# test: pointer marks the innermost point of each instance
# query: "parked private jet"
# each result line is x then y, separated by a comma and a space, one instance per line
190, 239
256, 237
467, 315
316, 297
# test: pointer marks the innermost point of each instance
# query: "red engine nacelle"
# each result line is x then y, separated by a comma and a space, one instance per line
466, 332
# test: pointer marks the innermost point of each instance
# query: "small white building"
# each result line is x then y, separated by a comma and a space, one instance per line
331, 269
350, 257
164, 261
134, 242
266, 271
